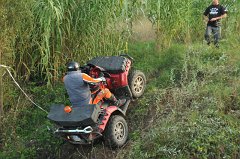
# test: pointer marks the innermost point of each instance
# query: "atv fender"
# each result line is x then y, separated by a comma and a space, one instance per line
111, 110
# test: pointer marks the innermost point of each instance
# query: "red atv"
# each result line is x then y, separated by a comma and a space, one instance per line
82, 125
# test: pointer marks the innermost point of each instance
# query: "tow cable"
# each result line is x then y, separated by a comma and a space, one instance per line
9, 72
86, 130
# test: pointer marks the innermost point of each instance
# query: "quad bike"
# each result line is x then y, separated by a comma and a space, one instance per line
83, 125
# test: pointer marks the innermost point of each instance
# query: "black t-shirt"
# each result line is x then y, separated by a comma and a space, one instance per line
214, 11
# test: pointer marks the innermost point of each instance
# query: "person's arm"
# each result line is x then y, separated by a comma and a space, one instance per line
220, 17
89, 79
205, 15
205, 18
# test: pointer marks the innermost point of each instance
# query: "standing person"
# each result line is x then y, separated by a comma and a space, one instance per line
212, 15
77, 86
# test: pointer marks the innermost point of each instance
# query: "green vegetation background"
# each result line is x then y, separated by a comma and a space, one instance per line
191, 107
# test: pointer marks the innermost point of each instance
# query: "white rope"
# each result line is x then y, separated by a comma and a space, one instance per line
7, 68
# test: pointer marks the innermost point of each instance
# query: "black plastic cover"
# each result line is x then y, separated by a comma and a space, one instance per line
112, 64
79, 116
122, 92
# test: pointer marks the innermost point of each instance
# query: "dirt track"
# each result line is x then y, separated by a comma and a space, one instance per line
96, 151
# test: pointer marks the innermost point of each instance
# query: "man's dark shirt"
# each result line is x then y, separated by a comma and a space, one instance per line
214, 11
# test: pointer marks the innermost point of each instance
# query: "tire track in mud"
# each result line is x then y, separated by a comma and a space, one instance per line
94, 151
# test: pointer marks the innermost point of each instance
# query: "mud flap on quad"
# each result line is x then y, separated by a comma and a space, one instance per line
122, 92
125, 106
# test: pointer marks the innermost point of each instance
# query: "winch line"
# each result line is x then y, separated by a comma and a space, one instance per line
9, 72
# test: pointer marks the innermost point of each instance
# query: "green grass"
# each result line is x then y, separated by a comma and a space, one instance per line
24, 130
196, 115
191, 88
190, 91
155, 63
190, 108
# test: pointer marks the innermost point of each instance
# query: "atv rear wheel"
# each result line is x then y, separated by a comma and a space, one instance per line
116, 132
137, 83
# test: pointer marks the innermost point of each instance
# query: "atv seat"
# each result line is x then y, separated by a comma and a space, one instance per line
112, 64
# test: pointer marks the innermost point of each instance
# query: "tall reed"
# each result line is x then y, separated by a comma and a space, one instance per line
46, 34
181, 21
74, 30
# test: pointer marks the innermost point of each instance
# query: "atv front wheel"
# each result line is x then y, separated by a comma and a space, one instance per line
116, 132
137, 83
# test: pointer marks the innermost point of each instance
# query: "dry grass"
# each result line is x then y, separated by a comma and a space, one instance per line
143, 30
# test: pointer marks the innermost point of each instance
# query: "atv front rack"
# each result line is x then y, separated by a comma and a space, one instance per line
86, 130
